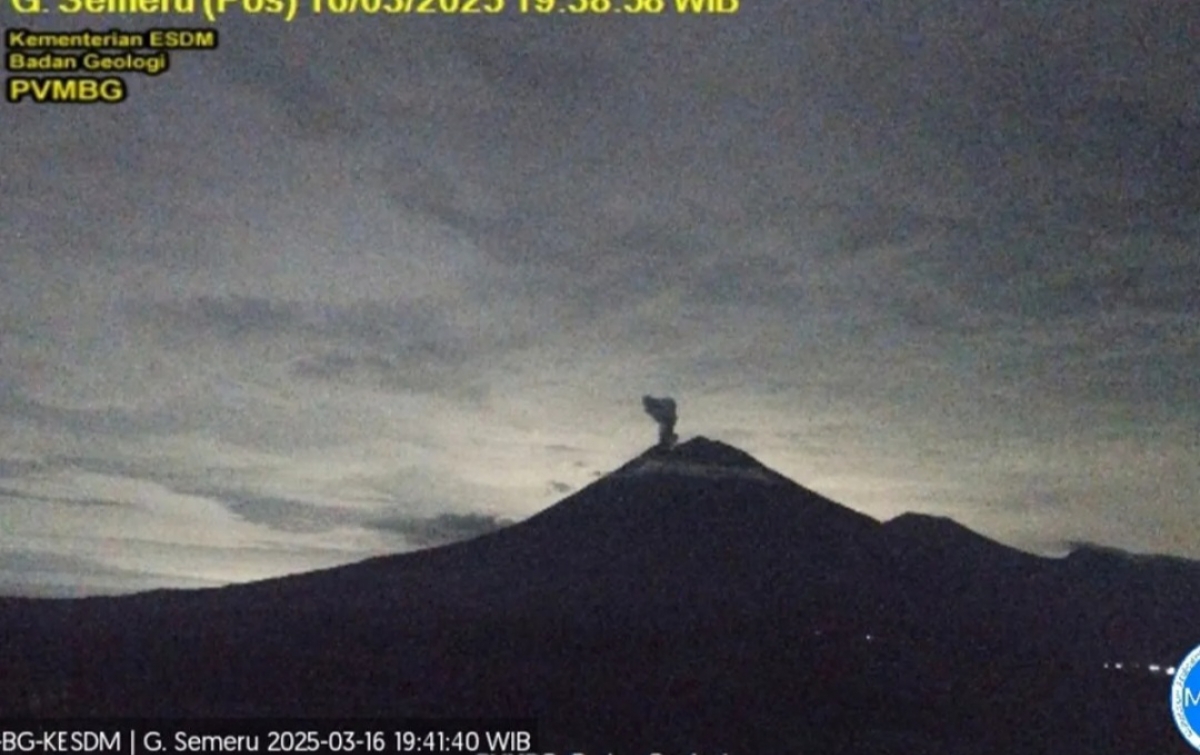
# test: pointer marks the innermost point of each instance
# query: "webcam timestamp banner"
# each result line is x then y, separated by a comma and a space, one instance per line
289, 10
282, 737
89, 67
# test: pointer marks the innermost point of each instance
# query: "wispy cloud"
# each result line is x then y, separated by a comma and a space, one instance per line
423, 270
441, 529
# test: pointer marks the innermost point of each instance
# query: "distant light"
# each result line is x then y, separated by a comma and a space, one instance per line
869, 638
1118, 665
1170, 670
1154, 668
1106, 664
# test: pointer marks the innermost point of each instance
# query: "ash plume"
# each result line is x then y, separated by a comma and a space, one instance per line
663, 412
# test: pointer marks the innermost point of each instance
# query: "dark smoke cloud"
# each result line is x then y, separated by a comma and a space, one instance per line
663, 412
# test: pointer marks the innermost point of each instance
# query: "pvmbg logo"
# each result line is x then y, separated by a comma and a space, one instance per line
1185, 698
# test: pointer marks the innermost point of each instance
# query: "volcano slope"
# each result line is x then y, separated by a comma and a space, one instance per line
693, 600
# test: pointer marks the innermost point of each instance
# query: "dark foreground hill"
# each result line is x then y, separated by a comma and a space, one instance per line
691, 601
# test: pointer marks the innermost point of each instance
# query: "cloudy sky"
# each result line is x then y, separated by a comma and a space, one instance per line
352, 286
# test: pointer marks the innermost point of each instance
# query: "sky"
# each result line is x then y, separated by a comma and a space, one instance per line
351, 286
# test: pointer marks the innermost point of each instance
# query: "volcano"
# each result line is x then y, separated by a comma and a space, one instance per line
693, 600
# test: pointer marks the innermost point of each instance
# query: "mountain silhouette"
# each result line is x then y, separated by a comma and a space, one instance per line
693, 600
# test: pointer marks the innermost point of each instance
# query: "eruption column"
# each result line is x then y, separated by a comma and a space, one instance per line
663, 412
